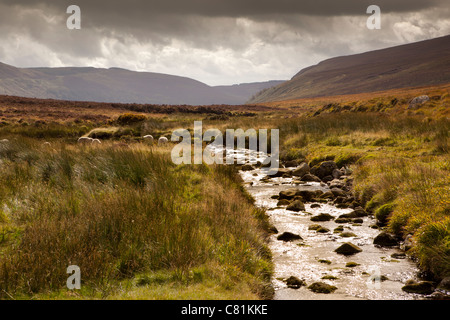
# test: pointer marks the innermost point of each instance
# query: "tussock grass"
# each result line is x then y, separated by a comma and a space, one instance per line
401, 168
123, 213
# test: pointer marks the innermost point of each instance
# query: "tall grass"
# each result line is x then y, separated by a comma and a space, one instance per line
401, 171
117, 213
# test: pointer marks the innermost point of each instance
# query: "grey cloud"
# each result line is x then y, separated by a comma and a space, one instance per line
234, 8
224, 41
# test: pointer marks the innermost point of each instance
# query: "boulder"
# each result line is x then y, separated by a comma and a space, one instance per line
337, 173
289, 236
327, 179
347, 216
283, 202
444, 285
301, 170
296, 206
336, 184
351, 264
308, 195
247, 167
310, 178
358, 220
338, 192
322, 230
280, 172
398, 255
321, 287
417, 101
347, 234
342, 220
385, 239
347, 249
422, 287
327, 195
324, 169
294, 282
288, 193
322, 217
359, 212
290, 163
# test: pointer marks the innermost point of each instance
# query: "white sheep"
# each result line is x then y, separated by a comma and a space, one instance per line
85, 140
149, 138
162, 140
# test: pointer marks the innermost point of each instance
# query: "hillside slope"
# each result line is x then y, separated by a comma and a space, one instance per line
417, 64
119, 86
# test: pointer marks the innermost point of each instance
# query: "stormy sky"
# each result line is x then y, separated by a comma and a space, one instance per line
213, 41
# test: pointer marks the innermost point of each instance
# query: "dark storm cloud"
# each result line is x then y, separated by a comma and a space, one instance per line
215, 41
235, 8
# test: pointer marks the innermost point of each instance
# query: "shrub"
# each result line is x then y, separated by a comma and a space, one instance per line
383, 212
346, 159
130, 119
433, 248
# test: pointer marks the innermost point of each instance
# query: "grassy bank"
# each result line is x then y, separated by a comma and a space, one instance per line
140, 227
401, 167
137, 225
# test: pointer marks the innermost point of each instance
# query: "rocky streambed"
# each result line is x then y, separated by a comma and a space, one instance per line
324, 249
324, 245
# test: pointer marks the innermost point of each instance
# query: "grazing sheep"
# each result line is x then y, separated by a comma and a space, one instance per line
85, 140
148, 138
162, 140
4, 143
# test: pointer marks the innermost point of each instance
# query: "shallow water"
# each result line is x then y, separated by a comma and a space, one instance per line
301, 258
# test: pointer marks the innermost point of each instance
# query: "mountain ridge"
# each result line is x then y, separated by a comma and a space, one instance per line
120, 85
415, 64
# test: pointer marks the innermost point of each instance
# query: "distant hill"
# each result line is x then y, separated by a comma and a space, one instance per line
119, 86
421, 63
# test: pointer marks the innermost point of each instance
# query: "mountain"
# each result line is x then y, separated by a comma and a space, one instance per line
245, 91
120, 86
416, 64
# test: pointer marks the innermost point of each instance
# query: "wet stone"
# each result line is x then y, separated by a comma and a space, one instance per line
289, 236
294, 282
422, 287
321, 287
296, 206
322, 217
347, 249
